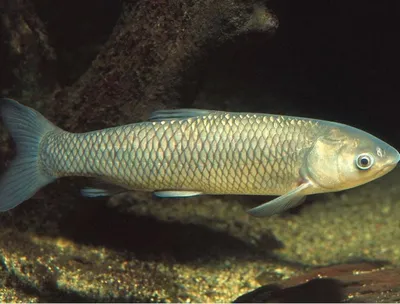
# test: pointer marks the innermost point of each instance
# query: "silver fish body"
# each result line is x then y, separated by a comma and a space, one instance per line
191, 152
219, 153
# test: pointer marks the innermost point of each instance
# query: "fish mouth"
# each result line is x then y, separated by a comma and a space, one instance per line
386, 169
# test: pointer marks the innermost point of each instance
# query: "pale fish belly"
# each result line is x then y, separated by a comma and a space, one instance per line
220, 153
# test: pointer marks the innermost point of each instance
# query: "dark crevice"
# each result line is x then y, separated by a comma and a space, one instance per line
77, 30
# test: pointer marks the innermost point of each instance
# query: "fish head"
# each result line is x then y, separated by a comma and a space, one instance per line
346, 157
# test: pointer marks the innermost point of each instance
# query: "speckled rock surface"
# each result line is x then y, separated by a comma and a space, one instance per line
200, 250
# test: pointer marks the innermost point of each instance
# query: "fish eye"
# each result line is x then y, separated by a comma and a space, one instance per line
364, 161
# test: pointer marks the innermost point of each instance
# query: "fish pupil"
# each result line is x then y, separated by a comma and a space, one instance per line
364, 161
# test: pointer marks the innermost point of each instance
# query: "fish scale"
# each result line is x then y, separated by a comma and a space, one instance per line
217, 153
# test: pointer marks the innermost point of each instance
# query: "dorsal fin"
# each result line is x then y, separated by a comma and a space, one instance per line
177, 114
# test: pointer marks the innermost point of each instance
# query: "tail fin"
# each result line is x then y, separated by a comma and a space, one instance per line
24, 177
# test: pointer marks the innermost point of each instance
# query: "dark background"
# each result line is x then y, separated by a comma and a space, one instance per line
335, 60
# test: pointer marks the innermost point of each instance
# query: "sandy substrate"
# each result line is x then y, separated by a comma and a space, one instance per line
203, 249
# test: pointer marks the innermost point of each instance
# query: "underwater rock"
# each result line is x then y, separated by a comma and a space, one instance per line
28, 61
153, 58
314, 291
366, 282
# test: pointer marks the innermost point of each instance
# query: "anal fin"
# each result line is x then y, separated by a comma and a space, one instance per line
173, 193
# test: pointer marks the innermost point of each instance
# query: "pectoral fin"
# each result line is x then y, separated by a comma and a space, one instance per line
289, 200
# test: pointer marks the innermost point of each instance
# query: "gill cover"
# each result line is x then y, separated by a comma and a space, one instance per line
322, 163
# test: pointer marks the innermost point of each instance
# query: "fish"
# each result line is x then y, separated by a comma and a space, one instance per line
190, 152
